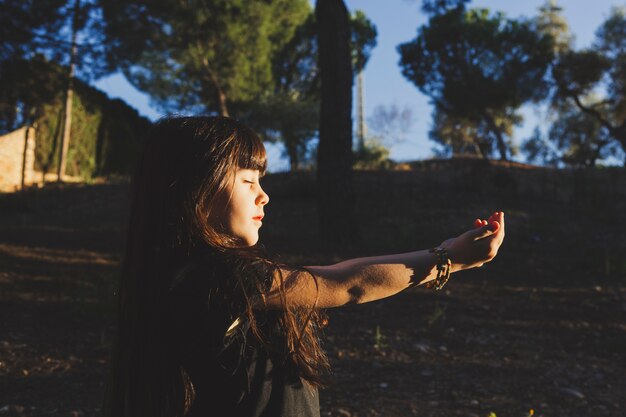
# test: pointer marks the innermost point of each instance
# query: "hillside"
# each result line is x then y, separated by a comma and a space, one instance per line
541, 327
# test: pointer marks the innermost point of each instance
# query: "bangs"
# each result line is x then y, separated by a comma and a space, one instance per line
251, 153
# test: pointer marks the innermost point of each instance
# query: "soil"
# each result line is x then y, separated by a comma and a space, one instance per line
541, 330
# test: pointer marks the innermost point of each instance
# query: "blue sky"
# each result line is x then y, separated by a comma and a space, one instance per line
397, 22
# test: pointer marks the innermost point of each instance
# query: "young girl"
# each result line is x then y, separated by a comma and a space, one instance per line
207, 324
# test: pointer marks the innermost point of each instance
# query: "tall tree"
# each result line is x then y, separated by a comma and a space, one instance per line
289, 112
594, 80
334, 166
541, 151
580, 137
25, 25
200, 55
65, 32
456, 137
550, 21
478, 67
31, 34
459, 136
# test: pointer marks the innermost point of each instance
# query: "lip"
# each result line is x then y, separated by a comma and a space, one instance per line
258, 218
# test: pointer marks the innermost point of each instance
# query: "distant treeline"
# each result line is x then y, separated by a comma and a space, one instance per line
258, 62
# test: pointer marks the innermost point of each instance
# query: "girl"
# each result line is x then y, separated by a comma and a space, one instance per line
207, 324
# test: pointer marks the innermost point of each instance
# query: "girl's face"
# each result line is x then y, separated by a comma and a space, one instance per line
241, 216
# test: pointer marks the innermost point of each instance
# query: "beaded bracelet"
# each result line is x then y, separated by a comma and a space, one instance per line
444, 266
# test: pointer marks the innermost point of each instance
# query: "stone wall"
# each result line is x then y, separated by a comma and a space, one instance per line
12, 157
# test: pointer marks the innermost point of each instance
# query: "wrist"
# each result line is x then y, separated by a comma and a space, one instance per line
443, 265
456, 265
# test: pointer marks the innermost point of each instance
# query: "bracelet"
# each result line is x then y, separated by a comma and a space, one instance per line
444, 266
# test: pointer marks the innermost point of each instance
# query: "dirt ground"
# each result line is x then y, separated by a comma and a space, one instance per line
541, 328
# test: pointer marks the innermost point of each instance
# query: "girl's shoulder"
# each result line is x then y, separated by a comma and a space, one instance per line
216, 269
200, 269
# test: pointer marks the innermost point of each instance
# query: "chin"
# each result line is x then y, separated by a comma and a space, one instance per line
251, 241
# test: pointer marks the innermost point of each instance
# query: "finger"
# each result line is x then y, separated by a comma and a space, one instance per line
479, 223
486, 230
501, 220
497, 216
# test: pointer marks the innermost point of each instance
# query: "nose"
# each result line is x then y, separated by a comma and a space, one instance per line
262, 198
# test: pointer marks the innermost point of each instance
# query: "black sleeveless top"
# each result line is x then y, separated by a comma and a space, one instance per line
231, 372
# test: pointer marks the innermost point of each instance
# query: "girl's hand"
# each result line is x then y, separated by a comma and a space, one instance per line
475, 247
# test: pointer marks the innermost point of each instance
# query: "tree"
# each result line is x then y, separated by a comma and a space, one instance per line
551, 22
287, 116
601, 70
580, 137
200, 55
362, 40
478, 67
458, 137
24, 25
27, 85
290, 111
576, 139
334, 167
49, 31
34, 34
538, 150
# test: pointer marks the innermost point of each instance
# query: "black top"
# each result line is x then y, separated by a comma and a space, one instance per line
232, 373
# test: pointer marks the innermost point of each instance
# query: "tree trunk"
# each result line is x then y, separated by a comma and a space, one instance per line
502, 148
620, 135
334, 164
617, 132
222, 100
291, 145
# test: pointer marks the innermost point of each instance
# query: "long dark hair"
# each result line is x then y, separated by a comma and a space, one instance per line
183, 171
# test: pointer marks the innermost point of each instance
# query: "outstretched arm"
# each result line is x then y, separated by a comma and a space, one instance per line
361, 280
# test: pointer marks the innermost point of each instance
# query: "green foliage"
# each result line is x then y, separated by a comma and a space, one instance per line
21, 21
540, 151
479, 67
373, 156
201, 55
362, 41
551, 22
104, 138
29, 28
256, 61
594, 81
580, 137
27, 84
432, 7
458, 136
577, 73
291, 118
